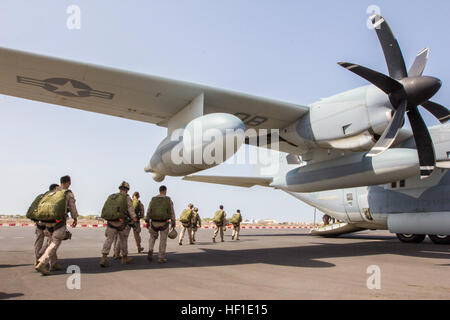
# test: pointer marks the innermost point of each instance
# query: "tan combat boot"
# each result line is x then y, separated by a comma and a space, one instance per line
104, 261
126, 260
162, 260
117, 256
42, 268
140, 249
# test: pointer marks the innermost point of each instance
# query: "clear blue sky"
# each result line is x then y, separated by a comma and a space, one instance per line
285, 50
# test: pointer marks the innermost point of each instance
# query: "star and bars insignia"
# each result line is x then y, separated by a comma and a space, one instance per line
66, 87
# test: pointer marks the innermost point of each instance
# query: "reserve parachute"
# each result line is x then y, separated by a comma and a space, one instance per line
160, 209
115, 207
186, 216
52, 206
218, 217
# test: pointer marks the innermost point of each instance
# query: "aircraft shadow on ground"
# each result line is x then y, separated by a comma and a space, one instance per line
3, 266
309, 256
4, 296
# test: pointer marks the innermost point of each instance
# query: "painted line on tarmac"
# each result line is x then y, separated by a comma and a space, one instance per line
144, 226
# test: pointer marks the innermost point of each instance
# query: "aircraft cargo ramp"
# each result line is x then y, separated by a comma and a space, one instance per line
336, 229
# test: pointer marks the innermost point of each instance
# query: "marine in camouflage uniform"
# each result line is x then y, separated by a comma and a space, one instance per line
186, 227
236, 226
219, 226
136, 226
119, 229
58, 230
40, 232
159, 228
196, 223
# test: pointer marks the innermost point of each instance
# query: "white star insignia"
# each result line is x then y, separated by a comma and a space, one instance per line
67, 87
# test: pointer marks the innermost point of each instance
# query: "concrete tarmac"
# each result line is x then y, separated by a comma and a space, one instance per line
264, 264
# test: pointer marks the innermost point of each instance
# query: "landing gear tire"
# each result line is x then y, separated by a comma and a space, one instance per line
439, 239
410, 238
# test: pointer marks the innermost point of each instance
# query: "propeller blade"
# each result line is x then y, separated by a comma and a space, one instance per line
389, 135
382, 81
391, 49
424, 143
440, 112
419, 64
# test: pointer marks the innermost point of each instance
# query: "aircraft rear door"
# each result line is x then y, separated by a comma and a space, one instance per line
350, 198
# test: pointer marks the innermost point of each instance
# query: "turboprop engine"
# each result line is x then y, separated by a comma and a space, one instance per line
203, 143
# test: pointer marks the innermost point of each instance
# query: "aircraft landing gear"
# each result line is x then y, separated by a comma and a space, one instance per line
439, 239
410, 238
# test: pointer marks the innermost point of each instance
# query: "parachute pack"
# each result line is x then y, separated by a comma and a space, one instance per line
218, 217
195, 218
236, 218
32, 210
160, 209
186, 216
137, 209
52, 206
115, 207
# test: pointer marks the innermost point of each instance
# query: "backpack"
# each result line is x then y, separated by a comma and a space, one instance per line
236, 218
186, 216
115, 207
32, 210
195, 218
137, 209
52, 206
218, 217
160, 209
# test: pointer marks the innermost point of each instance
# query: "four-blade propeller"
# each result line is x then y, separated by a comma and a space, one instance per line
406, 91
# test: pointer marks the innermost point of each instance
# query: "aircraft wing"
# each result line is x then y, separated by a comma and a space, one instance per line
127, 94
246, 182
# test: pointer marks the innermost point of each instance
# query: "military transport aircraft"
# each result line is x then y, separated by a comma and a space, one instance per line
350, 140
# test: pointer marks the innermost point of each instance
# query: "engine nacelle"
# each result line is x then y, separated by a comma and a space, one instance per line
352, 171
203, 143
348, 121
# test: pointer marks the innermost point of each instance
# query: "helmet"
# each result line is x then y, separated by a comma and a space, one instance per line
173, 234
124, 184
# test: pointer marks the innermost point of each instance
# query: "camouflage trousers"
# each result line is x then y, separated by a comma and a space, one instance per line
185, 228
236, 230
162, 241
216, 231
49, 256
40, 244
111, 234
194, 231
137, 238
